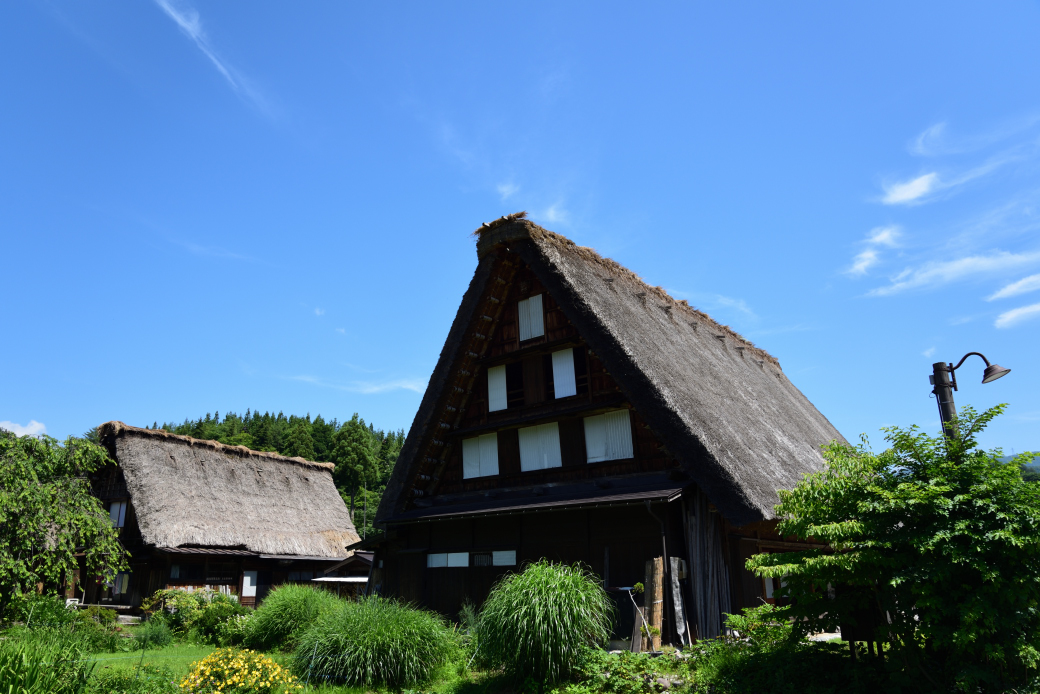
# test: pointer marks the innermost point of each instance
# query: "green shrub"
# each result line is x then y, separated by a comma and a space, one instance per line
154, 633
42, 610
285, 613
207, 621
763, 658
236, 630
200, 614
98, 615
148, 679
176, 607
535, 624
42, 668
374, 642
624, 672
761, 627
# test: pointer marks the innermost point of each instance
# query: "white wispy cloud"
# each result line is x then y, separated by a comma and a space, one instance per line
936, 140
1017, 315
319, 311
1022, 286
938, 273
884, 236
367, 387
507, 190
863, 262
555, 213
189, 21
738, 304
341, 331
927, 186
929, 142
910, 191
709, 302
33, 428
928, 352
878, 236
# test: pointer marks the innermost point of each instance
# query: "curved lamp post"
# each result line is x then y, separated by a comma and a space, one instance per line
944, 380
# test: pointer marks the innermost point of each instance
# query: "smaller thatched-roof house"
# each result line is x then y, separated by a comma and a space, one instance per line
202, 514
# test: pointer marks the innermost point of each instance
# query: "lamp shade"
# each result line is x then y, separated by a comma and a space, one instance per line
993, 372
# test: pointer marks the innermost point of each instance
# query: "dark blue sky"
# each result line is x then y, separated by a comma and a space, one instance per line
219, 206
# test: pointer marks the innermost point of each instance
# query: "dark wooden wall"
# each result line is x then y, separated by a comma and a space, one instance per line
628, 534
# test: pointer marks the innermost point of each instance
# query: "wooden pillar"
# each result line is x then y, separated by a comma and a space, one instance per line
653, 603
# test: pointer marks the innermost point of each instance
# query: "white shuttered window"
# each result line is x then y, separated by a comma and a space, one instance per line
497, 398
480, 456
530, 312
440, 560
540, 447
504, 558
608, 437
563, 373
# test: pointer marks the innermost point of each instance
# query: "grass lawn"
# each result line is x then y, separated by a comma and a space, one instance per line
177, 658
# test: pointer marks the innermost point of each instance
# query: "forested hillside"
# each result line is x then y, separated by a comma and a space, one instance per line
364, 456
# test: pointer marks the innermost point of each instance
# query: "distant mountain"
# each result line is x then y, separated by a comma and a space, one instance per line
1035, 464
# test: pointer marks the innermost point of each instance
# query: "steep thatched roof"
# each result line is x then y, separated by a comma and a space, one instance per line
720, 405
187, 491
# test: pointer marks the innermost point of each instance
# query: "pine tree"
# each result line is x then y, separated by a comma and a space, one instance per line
299, 442
354, 456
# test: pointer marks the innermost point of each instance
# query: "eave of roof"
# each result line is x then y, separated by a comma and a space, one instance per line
536, 504
213, 551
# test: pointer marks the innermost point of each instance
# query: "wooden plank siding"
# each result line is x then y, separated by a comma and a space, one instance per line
626, 536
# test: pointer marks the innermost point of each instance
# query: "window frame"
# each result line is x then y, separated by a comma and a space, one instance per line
627, 445
530, 317
528, 444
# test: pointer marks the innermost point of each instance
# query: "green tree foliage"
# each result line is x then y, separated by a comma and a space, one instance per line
48, 514
934, 544
364, 456
355, 456
299, 441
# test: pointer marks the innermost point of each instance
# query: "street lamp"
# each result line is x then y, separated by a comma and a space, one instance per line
944, 380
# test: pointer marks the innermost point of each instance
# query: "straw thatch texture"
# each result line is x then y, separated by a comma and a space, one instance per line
188, 492
721, 406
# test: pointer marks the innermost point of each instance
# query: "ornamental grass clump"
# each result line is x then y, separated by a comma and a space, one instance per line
42, 668
535, 624
285, 613
374, 642
234, 671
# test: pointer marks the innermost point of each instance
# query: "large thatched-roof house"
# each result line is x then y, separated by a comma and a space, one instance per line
202, 514
577, 413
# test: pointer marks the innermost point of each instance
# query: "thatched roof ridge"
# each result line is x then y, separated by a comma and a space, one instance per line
115, 428
516, 226
186, 492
